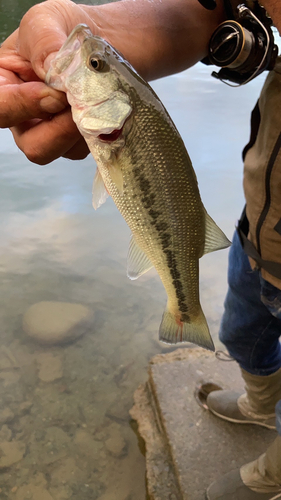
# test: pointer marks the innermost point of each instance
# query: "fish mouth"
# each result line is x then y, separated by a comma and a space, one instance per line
106, 120
116, 133
113, 136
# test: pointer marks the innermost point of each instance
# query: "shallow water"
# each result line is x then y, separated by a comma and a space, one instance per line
74, 433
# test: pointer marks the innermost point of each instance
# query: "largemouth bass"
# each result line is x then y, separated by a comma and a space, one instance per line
143, 164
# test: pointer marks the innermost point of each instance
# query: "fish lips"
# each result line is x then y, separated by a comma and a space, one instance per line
66, 60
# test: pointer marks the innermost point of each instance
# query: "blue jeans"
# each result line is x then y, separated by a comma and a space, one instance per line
251, 323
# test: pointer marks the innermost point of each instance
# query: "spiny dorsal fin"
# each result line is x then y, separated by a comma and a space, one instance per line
99, 192
215, 238
137, 262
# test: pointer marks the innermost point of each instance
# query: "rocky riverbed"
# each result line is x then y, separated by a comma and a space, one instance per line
64, 430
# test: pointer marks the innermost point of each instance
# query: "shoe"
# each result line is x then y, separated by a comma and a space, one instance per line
226, 405
255, 406
231, 487
257, 480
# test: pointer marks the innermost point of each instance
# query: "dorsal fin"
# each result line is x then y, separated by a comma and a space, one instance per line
215, 238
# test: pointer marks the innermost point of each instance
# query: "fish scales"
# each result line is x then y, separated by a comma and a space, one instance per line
145, 167
161, 223
149, 161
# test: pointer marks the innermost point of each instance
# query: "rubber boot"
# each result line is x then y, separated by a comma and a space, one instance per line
256, 406
264, 474
258, 480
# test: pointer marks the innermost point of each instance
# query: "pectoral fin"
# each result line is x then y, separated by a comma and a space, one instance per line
137, 262
99, 192
116, 175
215, 238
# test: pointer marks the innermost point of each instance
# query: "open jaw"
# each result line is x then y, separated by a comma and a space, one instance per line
116, 133
113, 136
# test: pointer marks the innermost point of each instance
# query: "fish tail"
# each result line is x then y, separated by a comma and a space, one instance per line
196, 331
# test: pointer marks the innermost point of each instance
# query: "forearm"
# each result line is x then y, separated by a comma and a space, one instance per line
273, 8
158, 38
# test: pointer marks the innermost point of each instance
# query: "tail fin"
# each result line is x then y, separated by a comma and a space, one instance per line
197, 331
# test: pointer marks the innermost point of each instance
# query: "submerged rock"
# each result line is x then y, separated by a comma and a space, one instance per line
56, 322
6, 415
33, 492
11, 452
5, 433
50, 367
116, 446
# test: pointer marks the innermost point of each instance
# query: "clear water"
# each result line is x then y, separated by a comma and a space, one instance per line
54, 246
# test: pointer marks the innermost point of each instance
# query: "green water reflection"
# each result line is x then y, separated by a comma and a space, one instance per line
11, 11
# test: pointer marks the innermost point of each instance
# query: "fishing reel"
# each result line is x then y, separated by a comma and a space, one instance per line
243, 46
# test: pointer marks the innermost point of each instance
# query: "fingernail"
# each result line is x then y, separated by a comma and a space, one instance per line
48, 60
52, 105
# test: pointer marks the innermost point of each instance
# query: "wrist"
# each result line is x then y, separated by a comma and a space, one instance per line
158, 39
274, 11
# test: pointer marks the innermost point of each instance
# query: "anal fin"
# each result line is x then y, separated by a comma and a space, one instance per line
137, 261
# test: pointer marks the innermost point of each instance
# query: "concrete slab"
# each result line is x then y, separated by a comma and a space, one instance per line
186, 446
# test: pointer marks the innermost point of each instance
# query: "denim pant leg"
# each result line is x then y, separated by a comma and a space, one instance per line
251, 323
249, 329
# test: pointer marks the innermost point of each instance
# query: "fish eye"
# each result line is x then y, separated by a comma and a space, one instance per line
96, 63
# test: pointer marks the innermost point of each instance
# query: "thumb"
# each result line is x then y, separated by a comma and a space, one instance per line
44, 29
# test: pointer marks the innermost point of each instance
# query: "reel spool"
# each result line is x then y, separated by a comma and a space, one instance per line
243, 46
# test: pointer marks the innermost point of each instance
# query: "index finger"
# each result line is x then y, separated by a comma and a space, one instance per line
20, 102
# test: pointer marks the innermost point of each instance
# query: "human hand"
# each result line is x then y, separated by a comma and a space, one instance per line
38, 116
158, 38
273, 9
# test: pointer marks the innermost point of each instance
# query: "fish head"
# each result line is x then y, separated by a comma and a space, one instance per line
92, 74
